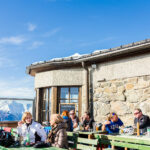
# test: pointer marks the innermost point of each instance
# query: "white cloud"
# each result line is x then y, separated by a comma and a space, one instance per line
17, 88
52, 32
31, 27
36, 44
14, 40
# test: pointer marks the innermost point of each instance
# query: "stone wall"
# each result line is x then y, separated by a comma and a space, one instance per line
122, 96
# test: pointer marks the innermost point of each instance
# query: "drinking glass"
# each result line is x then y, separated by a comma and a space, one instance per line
148, 131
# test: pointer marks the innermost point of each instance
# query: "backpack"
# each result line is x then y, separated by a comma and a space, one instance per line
6, 139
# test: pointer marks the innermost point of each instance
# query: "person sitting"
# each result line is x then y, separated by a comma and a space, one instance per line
30, 130
57, 137
143, 120
87, 121
74, 118
67, 119
112, 124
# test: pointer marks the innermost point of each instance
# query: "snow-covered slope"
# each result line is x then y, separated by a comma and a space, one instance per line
13, 110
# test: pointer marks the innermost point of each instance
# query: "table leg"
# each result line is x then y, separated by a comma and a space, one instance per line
125, 148
90, 136
113, 147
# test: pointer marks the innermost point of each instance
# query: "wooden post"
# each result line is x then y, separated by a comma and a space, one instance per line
54, 100
125, 148
38, 105
90, 136
113, 147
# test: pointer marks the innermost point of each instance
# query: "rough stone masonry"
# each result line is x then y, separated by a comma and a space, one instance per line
122, 96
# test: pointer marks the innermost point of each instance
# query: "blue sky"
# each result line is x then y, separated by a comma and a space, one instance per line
38, 30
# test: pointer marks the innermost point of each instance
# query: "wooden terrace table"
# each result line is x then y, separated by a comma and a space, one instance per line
126, 141
88, 134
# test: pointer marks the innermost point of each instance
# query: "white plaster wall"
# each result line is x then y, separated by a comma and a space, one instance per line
43, 79
62, 77
124, 68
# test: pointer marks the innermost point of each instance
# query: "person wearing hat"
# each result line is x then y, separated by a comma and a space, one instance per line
112, 124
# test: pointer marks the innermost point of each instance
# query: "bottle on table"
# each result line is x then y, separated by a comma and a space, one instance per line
80, 126
97, 128
138, 129
28, 140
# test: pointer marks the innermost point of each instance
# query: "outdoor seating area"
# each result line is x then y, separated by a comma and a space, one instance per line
98, 140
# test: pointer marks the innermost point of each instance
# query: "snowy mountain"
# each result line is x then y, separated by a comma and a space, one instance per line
11, 110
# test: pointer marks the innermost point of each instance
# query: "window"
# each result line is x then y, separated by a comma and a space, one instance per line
46, 104
68, 99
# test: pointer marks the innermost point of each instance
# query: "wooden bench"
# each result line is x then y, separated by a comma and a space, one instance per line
31, 148
76, 142
72, 140
87, 144
133, 142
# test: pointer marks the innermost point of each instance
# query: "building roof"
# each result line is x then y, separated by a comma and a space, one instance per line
92, 57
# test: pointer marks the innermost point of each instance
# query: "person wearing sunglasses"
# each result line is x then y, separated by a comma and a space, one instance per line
144, 121
112, 124
74, 118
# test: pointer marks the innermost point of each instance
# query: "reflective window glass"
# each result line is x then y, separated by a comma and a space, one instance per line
74, 101
69, 95
74, 92
46, 104
64, 93
64, 101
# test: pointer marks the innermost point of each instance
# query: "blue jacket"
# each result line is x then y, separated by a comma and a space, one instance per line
69, 123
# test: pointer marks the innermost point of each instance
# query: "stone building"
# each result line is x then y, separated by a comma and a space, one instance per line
116, 79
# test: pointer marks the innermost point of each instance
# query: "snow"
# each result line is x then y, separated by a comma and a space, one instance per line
98, 51
56, 59
12, 110
39, 62
74, 56
35, 63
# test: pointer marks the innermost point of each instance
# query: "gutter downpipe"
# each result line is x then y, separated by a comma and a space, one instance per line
86, 77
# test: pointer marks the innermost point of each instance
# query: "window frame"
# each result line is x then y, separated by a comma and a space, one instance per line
69, 99
47, 99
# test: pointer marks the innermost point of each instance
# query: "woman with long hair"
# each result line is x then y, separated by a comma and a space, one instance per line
57, 137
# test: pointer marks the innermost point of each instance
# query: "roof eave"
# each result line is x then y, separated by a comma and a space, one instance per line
93, 57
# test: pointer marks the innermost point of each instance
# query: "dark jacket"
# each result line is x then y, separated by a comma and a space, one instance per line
144, 122
58, 136
90, 123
